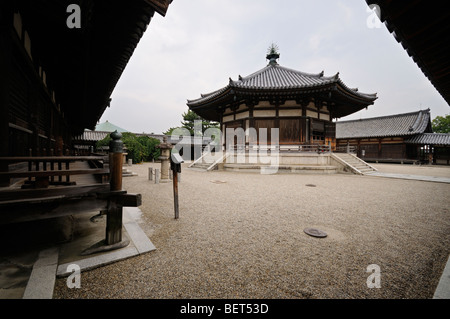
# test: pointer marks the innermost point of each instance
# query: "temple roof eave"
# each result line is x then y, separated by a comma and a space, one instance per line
343, 104
223, 94
275, 82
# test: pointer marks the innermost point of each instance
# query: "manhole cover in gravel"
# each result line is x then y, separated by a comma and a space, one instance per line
310, 185
315, 232
218, 182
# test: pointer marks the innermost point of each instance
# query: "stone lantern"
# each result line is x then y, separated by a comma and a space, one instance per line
165, 160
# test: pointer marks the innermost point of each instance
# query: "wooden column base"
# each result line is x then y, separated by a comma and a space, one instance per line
117, 200
114, 223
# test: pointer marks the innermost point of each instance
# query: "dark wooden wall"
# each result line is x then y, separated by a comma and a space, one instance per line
292, 131
379, 148
31, 122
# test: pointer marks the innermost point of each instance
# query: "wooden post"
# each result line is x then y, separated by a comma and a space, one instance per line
114, 216
113, 223
175, 167
116, 161
175, 192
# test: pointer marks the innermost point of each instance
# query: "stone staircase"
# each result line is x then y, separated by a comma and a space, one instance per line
201, 166
204, 164
127, 173
354, 163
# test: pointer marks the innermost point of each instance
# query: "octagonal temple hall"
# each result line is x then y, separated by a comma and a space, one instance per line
301, 105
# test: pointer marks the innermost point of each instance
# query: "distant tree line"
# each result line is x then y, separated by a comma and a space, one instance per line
140, 149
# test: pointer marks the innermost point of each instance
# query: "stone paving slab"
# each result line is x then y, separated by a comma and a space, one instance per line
42, 279
52, 262
137, 236
139, 244
97, 261
410, 177
443, 288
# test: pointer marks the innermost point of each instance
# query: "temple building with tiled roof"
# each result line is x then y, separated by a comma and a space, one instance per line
301, 105
407, 124
406, 137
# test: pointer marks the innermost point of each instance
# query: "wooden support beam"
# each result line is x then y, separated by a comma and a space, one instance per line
114, 216
122, 198
39, 205
68, 191
48, 207
129, 200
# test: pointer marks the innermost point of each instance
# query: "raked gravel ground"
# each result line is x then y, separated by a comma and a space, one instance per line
240, 235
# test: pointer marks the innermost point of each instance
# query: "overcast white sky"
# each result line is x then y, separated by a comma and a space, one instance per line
201, 43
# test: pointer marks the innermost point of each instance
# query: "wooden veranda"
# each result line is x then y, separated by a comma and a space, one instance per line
66, 185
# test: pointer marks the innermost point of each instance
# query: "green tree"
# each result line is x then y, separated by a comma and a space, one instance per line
441, 124
136, 151
104, 142
150, 145
188, 123
139, 149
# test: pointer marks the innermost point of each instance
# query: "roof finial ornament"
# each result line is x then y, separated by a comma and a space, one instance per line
272, 54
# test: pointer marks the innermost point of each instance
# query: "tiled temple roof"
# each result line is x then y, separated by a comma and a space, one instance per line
437, 139
276, 77
91, 136
407, 124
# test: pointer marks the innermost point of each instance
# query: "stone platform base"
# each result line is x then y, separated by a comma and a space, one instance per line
296, 169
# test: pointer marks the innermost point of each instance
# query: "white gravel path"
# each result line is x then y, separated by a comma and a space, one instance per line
240, 235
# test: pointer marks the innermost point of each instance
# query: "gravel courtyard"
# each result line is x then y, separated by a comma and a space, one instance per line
240, 235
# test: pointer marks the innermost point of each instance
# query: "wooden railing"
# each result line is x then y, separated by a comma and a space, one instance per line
346, 149
37, 200
51, 170
316, 148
